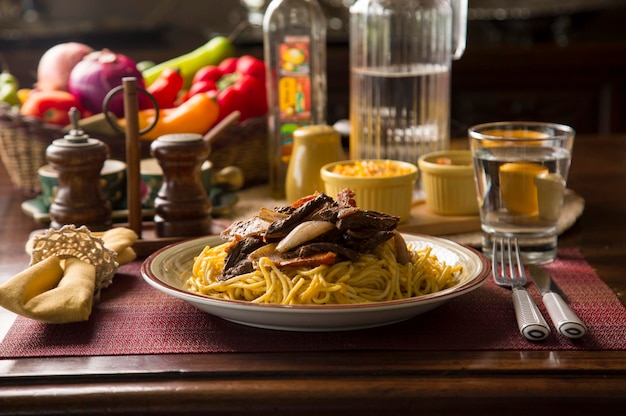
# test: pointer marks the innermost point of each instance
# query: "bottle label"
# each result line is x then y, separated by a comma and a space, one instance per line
294, 83
294, 89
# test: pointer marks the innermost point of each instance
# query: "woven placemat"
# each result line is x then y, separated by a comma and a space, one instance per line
133, 318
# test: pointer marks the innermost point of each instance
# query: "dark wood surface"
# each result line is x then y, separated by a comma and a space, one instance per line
350, 382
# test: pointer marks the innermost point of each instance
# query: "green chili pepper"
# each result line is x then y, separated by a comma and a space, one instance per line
211, 53
8, 88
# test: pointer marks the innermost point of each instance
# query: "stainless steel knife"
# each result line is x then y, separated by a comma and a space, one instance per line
565, 320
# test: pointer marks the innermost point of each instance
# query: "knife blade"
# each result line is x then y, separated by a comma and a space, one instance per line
565, 320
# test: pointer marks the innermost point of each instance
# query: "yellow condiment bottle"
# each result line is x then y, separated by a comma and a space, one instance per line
313, 147
519, 191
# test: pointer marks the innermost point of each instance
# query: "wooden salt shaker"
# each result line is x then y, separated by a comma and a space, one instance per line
80, 200
182, 207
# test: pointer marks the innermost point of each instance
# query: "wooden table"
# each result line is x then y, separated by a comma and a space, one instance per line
359, 383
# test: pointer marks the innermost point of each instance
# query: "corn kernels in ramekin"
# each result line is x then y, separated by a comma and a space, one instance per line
379, 185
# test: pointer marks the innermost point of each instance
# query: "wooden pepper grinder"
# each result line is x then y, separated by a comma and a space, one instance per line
182, 207
80, 200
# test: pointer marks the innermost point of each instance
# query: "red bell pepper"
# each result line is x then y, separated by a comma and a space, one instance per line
240, 85
246, 94
228, 65
166, 87
208, 73
201, 86
249, 65
51, 106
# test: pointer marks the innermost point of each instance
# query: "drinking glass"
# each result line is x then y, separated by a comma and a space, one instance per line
521, 171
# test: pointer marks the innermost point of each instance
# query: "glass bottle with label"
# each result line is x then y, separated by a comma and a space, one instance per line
294, 38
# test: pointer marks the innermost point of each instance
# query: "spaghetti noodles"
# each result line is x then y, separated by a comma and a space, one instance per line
373, 277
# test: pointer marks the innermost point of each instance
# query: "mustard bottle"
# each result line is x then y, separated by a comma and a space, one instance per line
313, 147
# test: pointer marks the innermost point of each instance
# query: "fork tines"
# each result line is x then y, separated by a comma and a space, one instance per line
506, 253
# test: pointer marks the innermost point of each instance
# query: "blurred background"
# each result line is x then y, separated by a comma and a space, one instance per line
549, 60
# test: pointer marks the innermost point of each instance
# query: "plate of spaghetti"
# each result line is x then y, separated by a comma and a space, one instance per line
299, 278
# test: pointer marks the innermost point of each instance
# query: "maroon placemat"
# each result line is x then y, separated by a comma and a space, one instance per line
134, 318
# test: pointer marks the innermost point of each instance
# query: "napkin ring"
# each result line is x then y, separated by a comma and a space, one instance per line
69, 241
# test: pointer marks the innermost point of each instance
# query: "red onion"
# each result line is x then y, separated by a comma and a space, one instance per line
98, 73
56, 64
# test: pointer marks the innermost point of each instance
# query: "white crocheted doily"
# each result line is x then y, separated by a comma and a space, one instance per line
69, 241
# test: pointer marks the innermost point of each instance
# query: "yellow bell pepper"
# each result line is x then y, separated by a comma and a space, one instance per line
196, 115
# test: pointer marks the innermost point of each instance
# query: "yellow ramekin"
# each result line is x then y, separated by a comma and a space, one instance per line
449, 188
389, 194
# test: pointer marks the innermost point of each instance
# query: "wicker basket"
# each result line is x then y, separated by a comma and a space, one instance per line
24, 140
244, 145
23, 143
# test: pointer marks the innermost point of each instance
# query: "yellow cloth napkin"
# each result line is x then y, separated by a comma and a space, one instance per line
61, 288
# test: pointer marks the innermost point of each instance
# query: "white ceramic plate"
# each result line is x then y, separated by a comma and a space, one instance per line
168, 269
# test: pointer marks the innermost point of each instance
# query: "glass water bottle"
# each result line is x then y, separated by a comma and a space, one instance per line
400, 58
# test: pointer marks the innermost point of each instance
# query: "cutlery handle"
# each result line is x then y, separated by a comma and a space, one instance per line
529, 320
565, 320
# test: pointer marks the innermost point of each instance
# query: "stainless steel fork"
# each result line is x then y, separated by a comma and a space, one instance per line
508, 270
